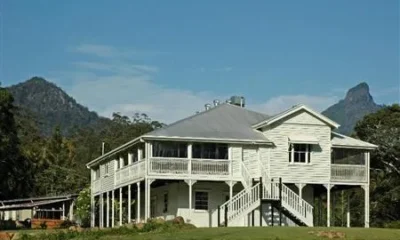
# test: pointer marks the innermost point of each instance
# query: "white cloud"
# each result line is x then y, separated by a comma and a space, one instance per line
130, 94
281, 103
105, 51
97, 50
111, 84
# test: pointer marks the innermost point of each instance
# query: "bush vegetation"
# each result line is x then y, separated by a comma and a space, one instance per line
153, 225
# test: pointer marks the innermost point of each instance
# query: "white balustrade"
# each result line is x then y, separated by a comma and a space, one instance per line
172, 166
299, 207
348, 173
130, 172
241, 203
185, 166
210, 167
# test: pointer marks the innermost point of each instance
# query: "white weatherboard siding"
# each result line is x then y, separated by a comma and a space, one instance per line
302, 124
236, 159
250, 159
107, 181
264, 158
178, 204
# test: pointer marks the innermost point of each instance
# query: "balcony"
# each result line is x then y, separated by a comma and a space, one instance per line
129, 173
186, 167
349, 173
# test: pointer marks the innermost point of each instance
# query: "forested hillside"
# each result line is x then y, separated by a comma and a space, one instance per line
34, 162
52, 107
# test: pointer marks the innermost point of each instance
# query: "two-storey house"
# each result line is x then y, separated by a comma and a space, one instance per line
229, 166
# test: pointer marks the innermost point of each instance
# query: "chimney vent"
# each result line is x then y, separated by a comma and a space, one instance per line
216, 102
238, 101
207, 106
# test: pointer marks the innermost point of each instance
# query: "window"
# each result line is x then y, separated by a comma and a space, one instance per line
347, 156
96, 173
106, 166
170, 149
300, 153
165, 203
125, 160
201, 201
210, 151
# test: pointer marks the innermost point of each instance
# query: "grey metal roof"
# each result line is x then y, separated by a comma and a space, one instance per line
339, 140
225, 121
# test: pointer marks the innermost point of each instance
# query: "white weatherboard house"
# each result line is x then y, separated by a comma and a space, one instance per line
230, 166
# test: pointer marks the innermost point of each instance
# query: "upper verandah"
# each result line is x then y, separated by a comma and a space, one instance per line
227, 123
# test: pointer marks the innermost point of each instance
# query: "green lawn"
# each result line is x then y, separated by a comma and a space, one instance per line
275, 233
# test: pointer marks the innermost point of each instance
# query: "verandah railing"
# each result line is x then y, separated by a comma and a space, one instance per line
131, 172
185, 166
349, 173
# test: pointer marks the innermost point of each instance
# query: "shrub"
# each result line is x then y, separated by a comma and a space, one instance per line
394, 224
67, 224
83, 207
43, 225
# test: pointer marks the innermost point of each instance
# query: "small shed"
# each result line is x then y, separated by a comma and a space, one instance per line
34, 212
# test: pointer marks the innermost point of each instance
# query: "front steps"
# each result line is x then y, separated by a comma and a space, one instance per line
285, 207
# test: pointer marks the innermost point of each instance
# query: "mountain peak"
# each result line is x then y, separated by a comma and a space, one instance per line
359, 93
357, 103
52, 105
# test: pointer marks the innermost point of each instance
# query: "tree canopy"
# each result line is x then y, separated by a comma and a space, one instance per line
383, 129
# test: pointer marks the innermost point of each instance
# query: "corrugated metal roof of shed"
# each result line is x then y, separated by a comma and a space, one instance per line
224, 121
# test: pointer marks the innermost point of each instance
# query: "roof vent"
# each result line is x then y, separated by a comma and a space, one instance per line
207, 106
216, 102
238, 101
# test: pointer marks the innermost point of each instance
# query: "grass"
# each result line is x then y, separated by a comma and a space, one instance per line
172, 232
265, 233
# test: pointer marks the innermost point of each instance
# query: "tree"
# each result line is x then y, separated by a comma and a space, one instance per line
15, 174
383, 129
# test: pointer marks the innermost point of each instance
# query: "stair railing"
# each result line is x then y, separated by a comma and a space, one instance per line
243, 202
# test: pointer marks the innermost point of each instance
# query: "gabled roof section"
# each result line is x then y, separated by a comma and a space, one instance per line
341, 141
293, 110
225, 122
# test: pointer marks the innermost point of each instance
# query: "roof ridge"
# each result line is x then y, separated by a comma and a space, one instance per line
184, 119
246, 109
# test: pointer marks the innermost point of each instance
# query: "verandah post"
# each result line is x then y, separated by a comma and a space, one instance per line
280, 201
226, 215
252, 212
261, 202
219, 216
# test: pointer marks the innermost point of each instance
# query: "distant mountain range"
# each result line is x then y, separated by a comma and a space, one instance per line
52, 107
348, 111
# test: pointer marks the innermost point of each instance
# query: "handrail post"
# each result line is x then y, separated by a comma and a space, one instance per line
252, 212
219, 216
280, 201
261, 202
226, 216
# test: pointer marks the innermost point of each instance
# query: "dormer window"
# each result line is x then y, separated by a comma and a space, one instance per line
299, 153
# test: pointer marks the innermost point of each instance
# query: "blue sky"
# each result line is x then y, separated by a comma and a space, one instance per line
168, 58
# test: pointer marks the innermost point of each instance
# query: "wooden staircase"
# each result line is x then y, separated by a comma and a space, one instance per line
266, 190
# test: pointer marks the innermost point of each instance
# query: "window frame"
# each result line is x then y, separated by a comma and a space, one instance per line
212, 151
307, 153
196, 200
106, 170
